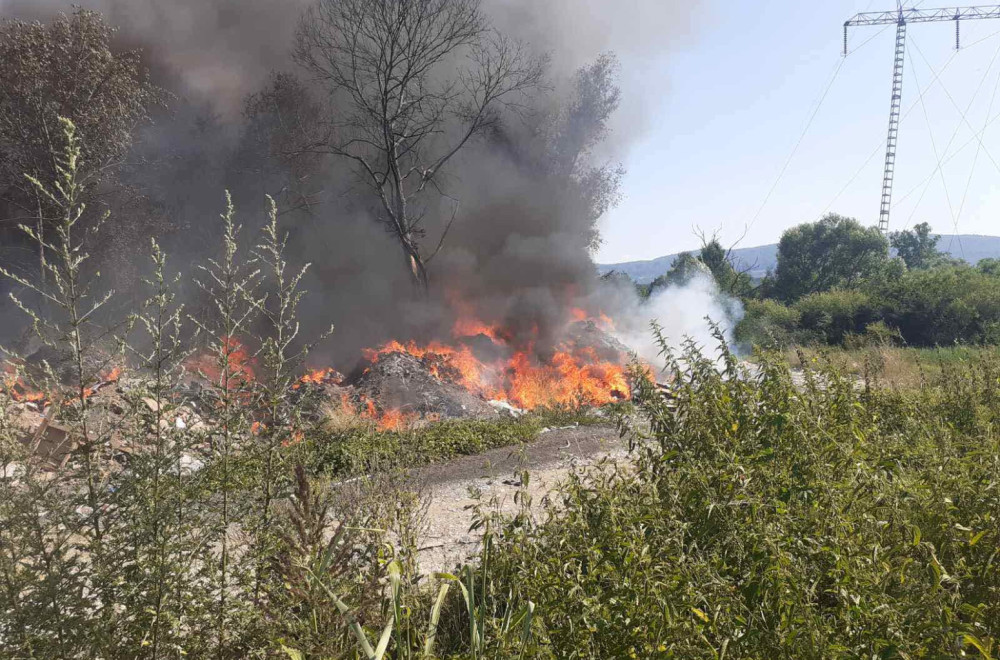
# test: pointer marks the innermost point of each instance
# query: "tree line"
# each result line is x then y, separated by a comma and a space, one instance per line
838, 282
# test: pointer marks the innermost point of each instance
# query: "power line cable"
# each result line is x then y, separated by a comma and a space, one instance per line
937, 157
954, 155
989, 109
809, 123
798, 143
964, 114
880, 146
926, 183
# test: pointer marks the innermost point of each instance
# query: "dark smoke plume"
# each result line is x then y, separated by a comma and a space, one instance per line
519, 252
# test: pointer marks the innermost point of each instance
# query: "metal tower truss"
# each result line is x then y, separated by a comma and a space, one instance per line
901, 17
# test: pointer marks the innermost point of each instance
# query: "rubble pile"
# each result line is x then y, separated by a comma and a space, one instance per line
392, 389
403, 382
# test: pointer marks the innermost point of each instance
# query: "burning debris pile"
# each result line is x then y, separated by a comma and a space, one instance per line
481, 372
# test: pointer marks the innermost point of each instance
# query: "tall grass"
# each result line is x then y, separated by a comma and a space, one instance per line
766, 520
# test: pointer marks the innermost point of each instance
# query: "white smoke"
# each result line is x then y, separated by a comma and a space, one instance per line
683, 311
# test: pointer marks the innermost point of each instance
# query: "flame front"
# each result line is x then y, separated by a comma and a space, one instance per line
573, 375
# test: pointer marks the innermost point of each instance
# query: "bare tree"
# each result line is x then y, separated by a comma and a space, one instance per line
414, 81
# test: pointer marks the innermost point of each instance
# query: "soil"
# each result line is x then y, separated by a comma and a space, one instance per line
446, 541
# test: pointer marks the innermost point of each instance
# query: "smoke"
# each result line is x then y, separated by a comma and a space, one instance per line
573, 32
683, 313
213, 50
518, 252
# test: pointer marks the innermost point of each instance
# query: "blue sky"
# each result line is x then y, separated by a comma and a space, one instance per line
727, 104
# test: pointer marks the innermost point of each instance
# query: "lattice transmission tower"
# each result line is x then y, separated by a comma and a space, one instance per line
901, 17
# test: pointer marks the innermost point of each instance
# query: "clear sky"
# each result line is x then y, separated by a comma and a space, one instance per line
730, 101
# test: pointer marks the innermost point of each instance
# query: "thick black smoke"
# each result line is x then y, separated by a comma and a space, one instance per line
519, 251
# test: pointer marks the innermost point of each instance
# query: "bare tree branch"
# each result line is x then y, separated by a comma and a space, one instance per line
416, 81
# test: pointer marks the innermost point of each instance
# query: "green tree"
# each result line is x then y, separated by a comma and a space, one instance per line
64, 69
917, 247
989, 266
833, 252
727, 277
685, 267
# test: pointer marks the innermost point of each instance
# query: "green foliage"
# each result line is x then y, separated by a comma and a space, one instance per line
833, 252
729, 281
685, 267
917, 247
831, 315
941, 306
989, 267
765, 520
768, 323
362, 449
931, 306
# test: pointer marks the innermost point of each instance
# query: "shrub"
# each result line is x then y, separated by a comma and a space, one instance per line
768, 323
833, 314
940, 306
767, 521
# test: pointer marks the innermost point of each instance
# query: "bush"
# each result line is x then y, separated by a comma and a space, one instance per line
833, 314
941, 306
768, 323
766, 521
363, 448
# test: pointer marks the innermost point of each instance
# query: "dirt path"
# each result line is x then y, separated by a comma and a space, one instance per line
446, 540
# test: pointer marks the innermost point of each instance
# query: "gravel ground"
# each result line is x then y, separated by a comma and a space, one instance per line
446, 541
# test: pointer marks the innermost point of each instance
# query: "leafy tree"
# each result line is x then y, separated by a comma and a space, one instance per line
578, 129
989, 266
833, 252
64, 69
685, 267
917, 247
418, 81
727, 277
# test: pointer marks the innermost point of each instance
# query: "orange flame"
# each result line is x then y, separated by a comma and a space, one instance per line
239, 361
573, 375
318, 377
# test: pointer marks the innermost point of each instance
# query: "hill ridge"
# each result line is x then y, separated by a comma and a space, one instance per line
759, 259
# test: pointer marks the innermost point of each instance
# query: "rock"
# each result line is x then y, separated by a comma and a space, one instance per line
189, 464
504, 407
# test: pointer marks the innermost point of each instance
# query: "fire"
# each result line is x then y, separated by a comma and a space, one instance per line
15, 386
239, 361
470, 327
319, 377
19, 391
448, 363
572, 375
394, 420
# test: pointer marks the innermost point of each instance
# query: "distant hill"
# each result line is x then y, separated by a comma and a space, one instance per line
761, 259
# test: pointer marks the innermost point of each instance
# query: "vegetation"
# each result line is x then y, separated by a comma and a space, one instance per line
219, 538
765, 520
361, 448
836, 284
64, 69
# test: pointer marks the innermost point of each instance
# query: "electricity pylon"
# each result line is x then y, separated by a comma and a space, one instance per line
901, 17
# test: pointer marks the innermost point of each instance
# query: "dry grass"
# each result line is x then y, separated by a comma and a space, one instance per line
898, 367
